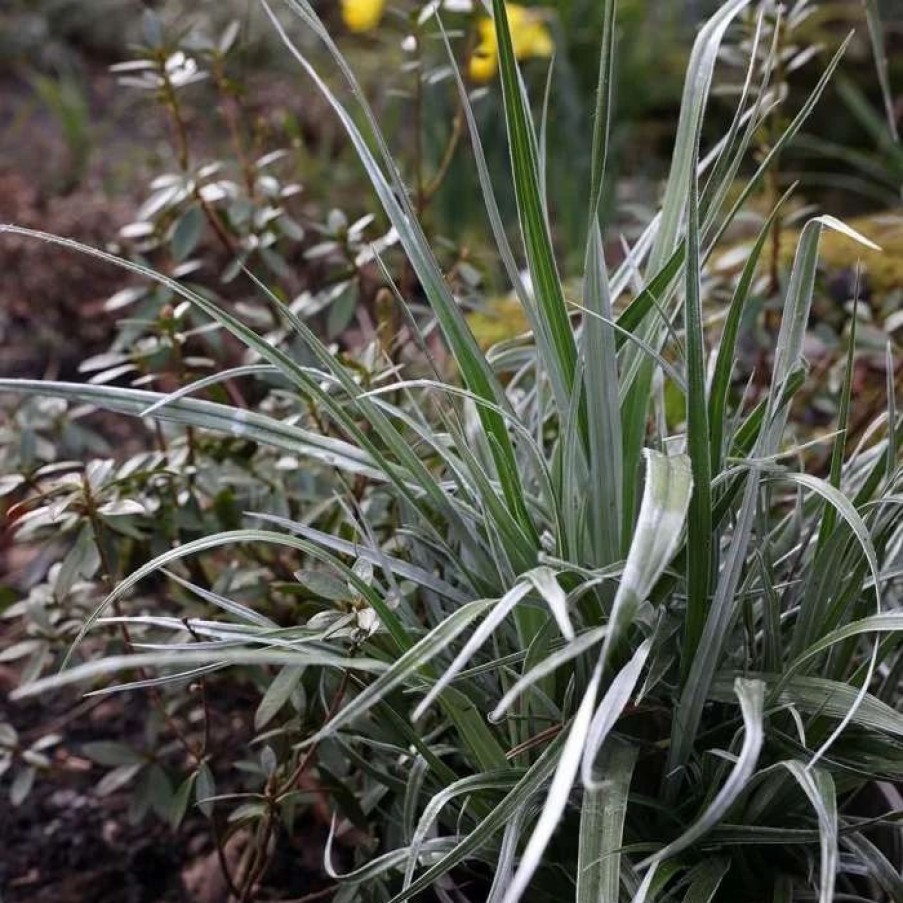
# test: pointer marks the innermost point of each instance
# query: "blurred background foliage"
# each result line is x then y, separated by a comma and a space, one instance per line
65, 39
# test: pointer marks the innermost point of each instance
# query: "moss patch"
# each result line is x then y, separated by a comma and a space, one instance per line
883, 269
501, 318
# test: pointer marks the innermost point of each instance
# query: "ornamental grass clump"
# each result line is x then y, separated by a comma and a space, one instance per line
591, 652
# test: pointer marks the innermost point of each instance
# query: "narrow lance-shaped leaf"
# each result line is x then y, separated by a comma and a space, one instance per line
788, 352
600, 366
887, 622
880, 868
504, 866
696, 688
546, 583
751, 694
842, 506
693, 103
398, 566
500, 610
818, 785
376, 868
705, 880
503, 245
408, 664
503, 779
474, 368
843, 418
642, 893
113, 664
656, 539
616, 697
209, 415
724, 364
879, 51
602, 819
554, 321
818, 696
730, 158
695, 97
411, 467
699, 525
723, 608
537, 775
632, 317
575, 648
217, 540
786, 136
558, 793
602, 117
243, 612
892, 426
213, 379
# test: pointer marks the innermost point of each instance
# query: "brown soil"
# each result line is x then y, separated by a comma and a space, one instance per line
68, 844
51, 301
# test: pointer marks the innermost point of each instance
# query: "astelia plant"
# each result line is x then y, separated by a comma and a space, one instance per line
572, 647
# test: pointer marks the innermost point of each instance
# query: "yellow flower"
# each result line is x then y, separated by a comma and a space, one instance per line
529, 36
362, 15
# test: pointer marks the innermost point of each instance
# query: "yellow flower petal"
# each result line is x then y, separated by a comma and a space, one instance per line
362, 15
486, 31
517, 15
529, 37
484, 63
533, 40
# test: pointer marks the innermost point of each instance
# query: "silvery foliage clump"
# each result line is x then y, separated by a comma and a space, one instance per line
579, 648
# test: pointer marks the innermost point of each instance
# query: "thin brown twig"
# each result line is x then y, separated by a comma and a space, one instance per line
230, 108
220, 848
205, 701
534, 741
183, 154
288, 785
433, 186
261, 859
